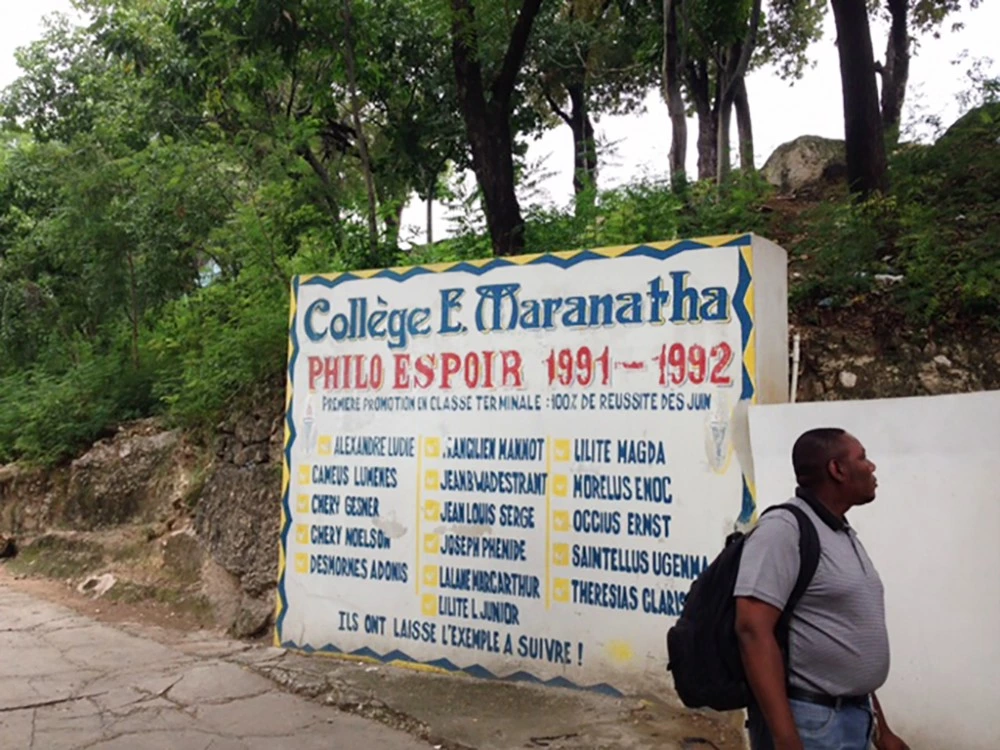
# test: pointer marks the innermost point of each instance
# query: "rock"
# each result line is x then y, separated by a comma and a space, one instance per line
183, 555
979, 125
253, 618
848, 379
97, 586
806, 161
115, 481
888, 278
237, 518
252, 429
942, 360
258, 453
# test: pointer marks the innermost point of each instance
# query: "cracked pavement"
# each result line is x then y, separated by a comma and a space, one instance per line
69, 683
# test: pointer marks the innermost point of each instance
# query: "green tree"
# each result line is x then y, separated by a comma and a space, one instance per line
863, 132
485, 98
907, 20
594, 57
706, 53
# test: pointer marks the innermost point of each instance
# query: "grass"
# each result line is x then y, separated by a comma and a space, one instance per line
55, 556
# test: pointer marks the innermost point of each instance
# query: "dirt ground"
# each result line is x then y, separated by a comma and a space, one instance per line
146, 612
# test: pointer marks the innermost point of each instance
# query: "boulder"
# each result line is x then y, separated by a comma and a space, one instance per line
118, 480
183, 555
806, 161
237, 519
255, 616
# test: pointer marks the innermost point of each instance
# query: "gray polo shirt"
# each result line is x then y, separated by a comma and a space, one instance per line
838, 643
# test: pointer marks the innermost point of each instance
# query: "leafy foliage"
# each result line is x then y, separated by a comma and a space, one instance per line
166, 169
937, 232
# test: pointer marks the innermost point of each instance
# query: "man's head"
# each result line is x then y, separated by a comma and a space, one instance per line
830, 461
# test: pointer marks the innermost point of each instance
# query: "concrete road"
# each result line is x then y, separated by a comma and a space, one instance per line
68, 683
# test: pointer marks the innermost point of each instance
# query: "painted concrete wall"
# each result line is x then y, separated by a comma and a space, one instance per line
529, 495
934, 535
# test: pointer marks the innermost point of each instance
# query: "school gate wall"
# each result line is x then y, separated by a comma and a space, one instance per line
487, 472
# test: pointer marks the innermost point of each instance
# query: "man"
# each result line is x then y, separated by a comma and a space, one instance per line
838, 652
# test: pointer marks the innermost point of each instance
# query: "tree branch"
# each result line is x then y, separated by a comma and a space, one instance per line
362, 143
555, 107
324, 177
317, 166
291, 94
748, 46
503, 86
464, 40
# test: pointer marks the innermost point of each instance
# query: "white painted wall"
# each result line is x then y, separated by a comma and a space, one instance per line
933, 534
603, 594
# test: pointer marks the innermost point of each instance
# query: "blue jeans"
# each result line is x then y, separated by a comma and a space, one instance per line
821, 728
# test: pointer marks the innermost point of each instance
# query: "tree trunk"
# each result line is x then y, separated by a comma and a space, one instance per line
487, 124
732, 71
366, 166
495, 169
671, 73
707, 142
722, 148
393, 223
697, 75
430, 216
744, 125
896, 70
866, 163
584, 147
133, 294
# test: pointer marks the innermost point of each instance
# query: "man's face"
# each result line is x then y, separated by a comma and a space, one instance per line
857, 472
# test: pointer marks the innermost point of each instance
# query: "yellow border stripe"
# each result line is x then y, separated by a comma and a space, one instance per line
548, 519
420, 510
286, 476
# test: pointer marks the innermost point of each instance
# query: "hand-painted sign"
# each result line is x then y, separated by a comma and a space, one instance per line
516, 467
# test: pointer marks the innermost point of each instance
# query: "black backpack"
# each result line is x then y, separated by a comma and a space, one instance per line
702, 650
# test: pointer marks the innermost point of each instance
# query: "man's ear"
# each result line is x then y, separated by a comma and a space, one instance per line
834, 470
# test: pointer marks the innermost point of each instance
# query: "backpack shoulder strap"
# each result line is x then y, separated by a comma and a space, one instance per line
808, 554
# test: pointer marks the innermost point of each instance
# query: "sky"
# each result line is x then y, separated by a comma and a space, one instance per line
637, 145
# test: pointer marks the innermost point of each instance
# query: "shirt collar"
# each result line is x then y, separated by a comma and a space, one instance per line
824, 513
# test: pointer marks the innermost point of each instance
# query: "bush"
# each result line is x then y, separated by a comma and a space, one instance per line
648, 210
846, 245
220, 345
949, 221
47, 416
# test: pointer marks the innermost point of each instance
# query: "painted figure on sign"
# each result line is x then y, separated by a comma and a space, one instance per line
717, 440
308, 423
820, 694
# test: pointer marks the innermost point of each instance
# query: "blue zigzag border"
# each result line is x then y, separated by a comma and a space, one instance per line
643, 251
474, 670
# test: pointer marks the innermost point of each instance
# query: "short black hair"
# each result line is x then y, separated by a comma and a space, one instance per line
813, 451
